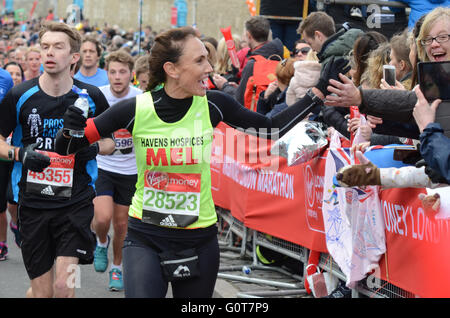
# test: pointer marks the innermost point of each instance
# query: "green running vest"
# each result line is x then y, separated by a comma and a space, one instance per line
173, 188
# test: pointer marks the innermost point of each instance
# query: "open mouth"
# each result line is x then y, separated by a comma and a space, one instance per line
439, 56
204, 83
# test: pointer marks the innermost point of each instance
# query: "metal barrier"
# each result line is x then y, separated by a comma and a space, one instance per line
396, 4
229, 228
382, 289
237, 228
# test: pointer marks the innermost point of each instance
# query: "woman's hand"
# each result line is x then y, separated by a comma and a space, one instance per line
423, 112
398, 85
361, 147
353, 124
270, 89
219, 81
346, 93
366, 132
373, 121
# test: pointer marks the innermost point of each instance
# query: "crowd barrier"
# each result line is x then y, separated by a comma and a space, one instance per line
270, 198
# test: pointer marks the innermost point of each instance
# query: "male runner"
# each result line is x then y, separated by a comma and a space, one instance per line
54, 192
91, 51
117, 174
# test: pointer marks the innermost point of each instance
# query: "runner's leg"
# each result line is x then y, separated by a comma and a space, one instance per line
120, 222
42, 286
202, 286
103, 213
142, 275
65, 277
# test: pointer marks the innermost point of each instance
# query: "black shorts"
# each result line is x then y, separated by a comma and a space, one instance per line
119, 186
47, 234
5, 176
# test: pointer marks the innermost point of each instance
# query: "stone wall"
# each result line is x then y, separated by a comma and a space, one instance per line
210, 15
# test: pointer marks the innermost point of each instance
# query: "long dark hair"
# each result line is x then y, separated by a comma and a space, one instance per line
364, 44
168, 47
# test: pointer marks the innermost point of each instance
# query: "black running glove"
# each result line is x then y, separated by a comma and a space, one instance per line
434, 175
33, 160
73, 119
331, 70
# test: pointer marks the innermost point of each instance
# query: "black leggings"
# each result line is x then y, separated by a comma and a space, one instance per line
143, 277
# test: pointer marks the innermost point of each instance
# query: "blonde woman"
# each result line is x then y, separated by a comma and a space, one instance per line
223, 64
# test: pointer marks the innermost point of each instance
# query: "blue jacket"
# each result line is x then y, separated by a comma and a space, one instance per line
435, 149
420, 7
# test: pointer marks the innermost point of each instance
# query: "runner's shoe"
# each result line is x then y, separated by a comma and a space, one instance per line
115, 280
3, 251
15, 230
101, 258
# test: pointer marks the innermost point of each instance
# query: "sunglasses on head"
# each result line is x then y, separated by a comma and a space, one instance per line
303, 50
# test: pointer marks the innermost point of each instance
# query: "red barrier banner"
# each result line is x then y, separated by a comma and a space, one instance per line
266, 195
417, 244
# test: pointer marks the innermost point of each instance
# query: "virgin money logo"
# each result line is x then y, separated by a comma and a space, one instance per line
309, 186
157, 180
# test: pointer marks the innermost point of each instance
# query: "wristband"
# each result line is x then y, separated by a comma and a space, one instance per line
91, 132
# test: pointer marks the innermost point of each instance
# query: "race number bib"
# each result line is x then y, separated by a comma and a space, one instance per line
56, 180
171, 199
124, 141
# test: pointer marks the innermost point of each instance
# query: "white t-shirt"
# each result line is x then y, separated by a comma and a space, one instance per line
123, 159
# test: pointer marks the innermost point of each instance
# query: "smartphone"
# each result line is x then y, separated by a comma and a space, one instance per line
401, 154
389, 74
434, 80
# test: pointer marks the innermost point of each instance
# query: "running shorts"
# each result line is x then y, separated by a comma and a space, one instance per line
47, 234
119, 186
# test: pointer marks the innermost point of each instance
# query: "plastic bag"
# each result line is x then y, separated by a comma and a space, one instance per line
302, 143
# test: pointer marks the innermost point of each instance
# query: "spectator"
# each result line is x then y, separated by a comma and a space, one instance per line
413, 54
319, 31
223, 65
301, 50
377, 58
434, 145
364, 44
283, 19
306, 75
257, 36
419, 8
273, 99
394, 104
212, 55
399, 57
